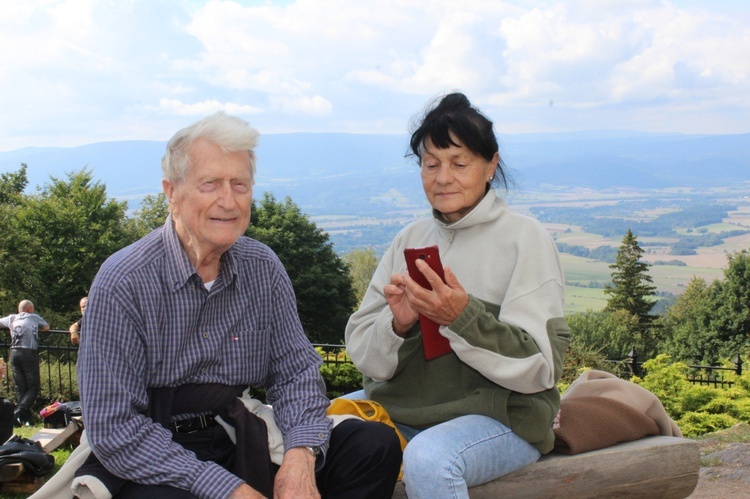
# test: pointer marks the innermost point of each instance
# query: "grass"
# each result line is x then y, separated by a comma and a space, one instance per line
713, 442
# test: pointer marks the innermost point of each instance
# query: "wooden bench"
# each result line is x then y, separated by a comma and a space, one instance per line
13, 478
653, 467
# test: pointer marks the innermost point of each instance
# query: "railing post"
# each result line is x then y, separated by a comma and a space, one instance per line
633, 361
738, 365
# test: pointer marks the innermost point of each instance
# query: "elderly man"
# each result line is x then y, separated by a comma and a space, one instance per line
180, 323
24, 358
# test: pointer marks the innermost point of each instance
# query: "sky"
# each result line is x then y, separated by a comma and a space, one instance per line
74, 72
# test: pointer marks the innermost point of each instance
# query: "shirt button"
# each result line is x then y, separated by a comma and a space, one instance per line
205, 335
203, 371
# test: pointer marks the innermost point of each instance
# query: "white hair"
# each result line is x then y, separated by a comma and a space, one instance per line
230, 133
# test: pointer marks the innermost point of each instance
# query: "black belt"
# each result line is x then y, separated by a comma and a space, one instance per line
193, 424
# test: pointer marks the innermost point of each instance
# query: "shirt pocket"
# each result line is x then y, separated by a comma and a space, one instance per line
245, 355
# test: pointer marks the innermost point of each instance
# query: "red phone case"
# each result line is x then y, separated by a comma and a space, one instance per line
433, 343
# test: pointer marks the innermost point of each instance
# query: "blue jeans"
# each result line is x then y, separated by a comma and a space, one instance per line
445, 460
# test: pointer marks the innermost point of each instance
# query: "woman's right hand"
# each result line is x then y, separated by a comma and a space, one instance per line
404, 316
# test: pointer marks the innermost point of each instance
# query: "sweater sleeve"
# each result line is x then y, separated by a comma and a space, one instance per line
520, 348
370, 340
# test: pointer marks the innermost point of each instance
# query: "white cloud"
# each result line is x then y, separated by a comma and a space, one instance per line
204, 108
76, 71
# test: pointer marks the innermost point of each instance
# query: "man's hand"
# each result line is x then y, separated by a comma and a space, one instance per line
296, 476
75, 333
245, 491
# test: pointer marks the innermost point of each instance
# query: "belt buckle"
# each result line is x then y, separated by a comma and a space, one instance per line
191, 425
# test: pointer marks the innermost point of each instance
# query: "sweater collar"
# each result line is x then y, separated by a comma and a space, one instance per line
487, 209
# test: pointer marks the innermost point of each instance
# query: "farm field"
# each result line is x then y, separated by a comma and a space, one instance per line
585, 277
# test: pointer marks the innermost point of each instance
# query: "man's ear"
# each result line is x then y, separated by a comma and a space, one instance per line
168, 189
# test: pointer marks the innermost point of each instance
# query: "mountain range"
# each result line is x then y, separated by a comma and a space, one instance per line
358, 174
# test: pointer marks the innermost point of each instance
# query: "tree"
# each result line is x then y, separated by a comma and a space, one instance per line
62, 236
632, 291
11, 261
12, 185
687, 326
151, 215
362, 263
631, 288
320, 278
730, 305
608, 332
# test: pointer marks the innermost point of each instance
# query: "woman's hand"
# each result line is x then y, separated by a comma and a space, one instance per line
444, 303
404, 316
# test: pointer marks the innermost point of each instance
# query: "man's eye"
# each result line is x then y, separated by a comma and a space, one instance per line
241, 187
208, 186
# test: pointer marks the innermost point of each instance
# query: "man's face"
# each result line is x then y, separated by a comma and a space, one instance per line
83, 303
211, 206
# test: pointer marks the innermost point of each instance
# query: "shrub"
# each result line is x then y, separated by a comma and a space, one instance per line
694, 424
339, 373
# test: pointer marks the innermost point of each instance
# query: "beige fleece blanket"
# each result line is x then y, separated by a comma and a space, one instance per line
599, 410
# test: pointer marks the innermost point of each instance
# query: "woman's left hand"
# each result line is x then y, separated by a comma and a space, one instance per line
444, 303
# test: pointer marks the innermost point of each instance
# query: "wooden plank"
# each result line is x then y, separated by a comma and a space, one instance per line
52, 438
25, 484
653, 467
9, 472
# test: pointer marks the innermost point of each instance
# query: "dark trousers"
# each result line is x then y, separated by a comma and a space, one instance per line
24, 364
362, 462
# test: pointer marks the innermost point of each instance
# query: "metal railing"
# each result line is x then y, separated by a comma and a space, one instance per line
698, 375
58, 359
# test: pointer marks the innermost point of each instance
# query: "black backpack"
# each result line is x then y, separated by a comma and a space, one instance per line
7, 411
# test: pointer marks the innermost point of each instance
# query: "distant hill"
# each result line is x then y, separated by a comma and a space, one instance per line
368, 174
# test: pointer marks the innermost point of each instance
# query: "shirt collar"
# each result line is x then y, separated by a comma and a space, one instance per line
179, 268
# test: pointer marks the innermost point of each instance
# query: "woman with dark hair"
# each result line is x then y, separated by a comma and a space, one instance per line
485, 408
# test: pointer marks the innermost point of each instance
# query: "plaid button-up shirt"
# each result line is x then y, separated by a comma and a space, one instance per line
151, 322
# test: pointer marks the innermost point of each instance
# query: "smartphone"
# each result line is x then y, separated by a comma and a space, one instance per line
433, 343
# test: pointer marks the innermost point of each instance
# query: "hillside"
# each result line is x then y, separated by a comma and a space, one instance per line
364, 175
587, 188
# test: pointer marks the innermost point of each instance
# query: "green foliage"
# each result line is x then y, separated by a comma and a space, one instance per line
696, 409
12, 185
60, 238
321, 280
711, 322
362, 263
694, 424
339, 373
667, 381
151, 215
578, 358
631, 288
613, 333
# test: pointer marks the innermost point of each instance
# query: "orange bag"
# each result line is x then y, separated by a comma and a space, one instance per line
369, 410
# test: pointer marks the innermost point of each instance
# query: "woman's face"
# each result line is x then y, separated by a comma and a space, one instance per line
454, 179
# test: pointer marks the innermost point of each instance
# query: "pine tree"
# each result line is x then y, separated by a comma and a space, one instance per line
631, 287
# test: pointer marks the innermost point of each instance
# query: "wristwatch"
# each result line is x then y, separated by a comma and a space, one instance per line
315, 451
